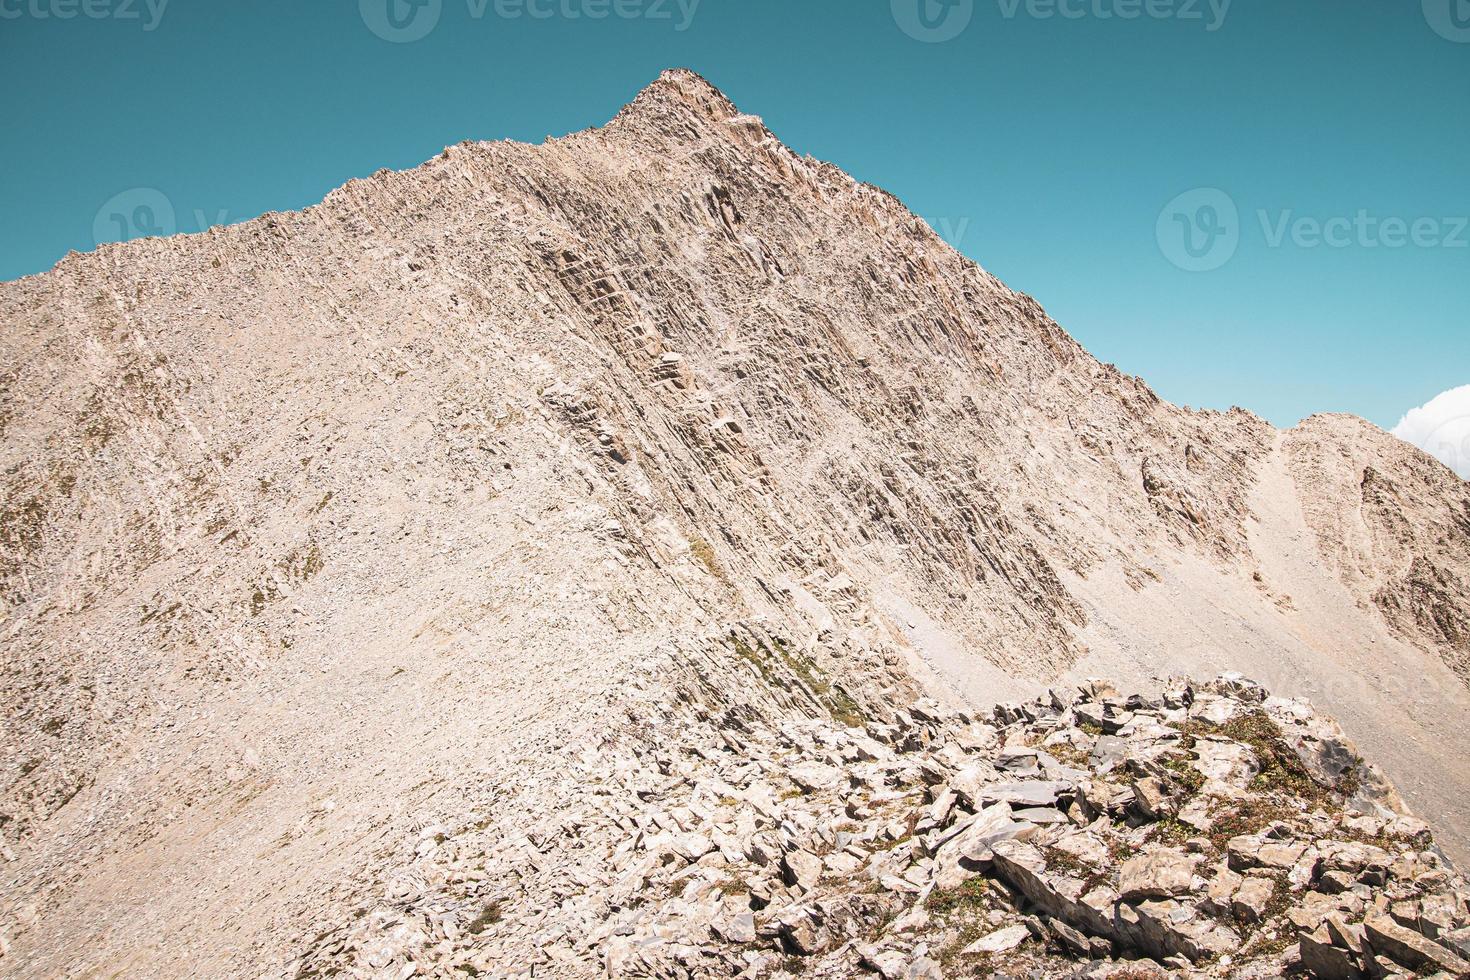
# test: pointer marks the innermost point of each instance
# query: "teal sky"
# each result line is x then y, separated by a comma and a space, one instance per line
1045, 147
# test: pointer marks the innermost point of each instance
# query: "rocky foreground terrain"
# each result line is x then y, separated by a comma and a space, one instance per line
1209, 831
606, 556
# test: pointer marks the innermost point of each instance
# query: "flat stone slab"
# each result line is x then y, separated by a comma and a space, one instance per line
1025, 793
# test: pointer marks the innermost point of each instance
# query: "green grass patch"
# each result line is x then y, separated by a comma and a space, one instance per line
947, 901
1185, 774
1171, 832
704, 553
1281, 769
841, 706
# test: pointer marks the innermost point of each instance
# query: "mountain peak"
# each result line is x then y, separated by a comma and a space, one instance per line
371, 575
681, 88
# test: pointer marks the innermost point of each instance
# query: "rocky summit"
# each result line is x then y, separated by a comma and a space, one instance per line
654, 553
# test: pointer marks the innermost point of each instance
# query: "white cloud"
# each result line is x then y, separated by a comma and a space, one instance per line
1442, 429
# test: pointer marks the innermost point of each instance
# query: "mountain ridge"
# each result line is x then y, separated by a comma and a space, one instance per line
433, 466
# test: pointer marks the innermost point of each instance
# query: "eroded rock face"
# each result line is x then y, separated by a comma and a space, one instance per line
429, 570
1394, 527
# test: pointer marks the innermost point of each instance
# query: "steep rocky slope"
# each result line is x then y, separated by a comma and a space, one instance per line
1393, 525
327, 529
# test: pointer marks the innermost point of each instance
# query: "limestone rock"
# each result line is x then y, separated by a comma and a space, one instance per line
1000, 941
1163, 873
1410, 949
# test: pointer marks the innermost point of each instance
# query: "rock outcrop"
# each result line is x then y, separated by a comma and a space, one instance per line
434, 576
1212, 832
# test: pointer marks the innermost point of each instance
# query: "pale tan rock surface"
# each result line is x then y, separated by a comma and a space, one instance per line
331, 534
